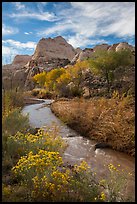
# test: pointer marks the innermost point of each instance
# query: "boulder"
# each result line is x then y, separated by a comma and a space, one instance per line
86, 92
102, 145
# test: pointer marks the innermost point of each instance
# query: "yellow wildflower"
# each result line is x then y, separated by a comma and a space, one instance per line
102, 197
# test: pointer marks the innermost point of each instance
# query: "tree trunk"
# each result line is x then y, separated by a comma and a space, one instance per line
108, 82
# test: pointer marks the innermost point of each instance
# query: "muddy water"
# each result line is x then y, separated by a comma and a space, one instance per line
80, 148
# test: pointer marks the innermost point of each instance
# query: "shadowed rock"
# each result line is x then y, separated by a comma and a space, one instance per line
102, 145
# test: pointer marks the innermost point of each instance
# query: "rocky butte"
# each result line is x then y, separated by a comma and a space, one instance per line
50, 53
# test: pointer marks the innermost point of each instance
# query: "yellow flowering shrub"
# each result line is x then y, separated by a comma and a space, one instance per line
44, 173
37, 163
21, 144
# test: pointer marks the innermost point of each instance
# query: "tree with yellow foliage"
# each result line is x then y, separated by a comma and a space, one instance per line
40, 78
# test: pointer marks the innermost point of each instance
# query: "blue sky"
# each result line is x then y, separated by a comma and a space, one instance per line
82, 24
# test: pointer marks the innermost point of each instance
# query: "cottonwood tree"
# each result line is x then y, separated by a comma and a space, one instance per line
105, 63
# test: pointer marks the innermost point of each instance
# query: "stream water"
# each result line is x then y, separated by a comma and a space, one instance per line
81, 148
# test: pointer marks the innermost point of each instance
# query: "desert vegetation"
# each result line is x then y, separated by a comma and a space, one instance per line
104, 120
33, 168
104, 73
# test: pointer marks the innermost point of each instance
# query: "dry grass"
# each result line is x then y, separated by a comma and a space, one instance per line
105, 120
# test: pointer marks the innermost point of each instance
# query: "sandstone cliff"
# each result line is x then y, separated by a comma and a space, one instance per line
49, 48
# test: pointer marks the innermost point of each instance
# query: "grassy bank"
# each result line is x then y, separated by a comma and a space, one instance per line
104, 120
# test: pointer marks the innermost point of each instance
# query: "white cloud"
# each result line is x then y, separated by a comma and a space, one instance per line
94, 19
82, 41
19, 45
27, 33
7, 50
19, 5
7, 30
25, 12
45, 16
11, 48
41, 6
8, 54
58, 28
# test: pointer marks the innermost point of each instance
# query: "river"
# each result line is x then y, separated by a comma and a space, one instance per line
81, 148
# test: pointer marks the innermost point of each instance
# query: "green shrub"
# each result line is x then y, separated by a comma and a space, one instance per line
12, 122
12, 99
21, 144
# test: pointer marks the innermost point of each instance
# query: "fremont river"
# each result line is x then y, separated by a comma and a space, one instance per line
80, 148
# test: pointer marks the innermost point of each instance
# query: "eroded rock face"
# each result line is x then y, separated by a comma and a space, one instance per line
123, 46
21, 60
101, 47
113, 47
29, 83
49, 48
84, 54
78, 50
19, 78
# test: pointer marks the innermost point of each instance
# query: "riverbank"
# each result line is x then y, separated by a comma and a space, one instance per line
104, 120
29, 101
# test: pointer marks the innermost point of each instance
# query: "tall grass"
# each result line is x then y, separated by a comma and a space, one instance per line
12, 120
105, 120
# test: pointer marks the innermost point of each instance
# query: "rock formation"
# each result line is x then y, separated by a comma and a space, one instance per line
123, 46
84, 54
78, 50
29, 84
101, 47
50, 53
50, 49
21, 60
113, 47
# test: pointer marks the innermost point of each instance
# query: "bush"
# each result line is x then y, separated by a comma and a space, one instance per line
11, 123
113, 185
12, 99
42, 93
21, 144
14, 121
48, 180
